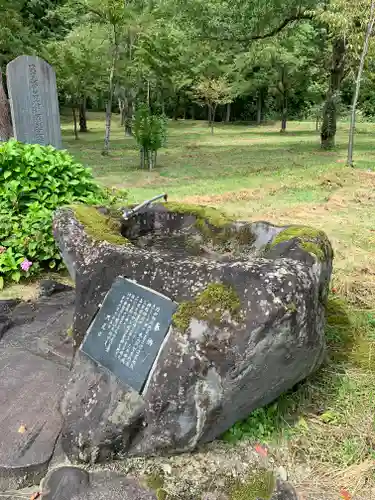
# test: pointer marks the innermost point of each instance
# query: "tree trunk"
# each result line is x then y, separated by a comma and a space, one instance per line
121, 107
155, 158
150, 159
176, 107
213, 112
108, 111
317, 122
148, 93
82, 116
227, 115
329, 119
75, 122
108, 117
6, 129
259, 108
142, 157
284, 115
370, 28
128, 113
129, 118
193, 112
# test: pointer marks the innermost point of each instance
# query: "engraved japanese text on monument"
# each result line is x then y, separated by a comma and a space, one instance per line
34, 101
135, 318
36, 105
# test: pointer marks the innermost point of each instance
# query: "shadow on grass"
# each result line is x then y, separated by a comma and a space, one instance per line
286, 134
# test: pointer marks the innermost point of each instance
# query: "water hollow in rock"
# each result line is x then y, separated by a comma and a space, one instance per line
157, 229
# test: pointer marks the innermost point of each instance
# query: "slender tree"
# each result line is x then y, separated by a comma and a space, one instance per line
329, 119
80, 64
212, 92
369, 31
113, 15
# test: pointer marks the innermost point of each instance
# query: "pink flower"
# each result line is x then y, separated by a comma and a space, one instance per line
2, 250
25, 265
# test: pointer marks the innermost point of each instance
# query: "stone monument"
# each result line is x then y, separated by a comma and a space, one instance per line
33, 101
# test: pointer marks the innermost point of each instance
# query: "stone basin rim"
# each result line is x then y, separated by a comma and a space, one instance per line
259, 233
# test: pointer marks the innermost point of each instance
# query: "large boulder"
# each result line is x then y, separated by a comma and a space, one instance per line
250, 323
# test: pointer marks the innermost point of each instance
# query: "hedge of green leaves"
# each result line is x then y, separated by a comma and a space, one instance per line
34, 181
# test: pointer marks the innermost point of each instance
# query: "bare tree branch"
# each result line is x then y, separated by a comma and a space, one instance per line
299, 16
283, 25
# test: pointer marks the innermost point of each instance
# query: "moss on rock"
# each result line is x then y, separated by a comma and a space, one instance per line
215, 226
313, 241
258, 486
210, 305
98, 226
214, 217
313, 248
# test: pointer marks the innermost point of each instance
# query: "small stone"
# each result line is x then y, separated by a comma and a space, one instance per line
68, 482
214, 496
49, 287
284, 491
282, 473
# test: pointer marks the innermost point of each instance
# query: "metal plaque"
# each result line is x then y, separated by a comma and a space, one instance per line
128, 331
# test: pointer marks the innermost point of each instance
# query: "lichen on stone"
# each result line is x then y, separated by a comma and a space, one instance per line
313, 241
98, 226
257, 486
210, 305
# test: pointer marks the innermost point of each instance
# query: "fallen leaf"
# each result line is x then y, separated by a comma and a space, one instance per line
263, 452
35, 495
345, 495
22, 429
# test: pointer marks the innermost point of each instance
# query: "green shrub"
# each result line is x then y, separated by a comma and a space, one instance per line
150, 132
34, 181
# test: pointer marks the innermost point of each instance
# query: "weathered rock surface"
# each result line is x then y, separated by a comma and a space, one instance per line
72, 483
220, 362
34, 359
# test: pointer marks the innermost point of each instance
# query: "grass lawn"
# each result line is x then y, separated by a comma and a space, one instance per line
256, 173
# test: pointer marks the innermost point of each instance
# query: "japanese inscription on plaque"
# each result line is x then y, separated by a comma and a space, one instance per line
128, 331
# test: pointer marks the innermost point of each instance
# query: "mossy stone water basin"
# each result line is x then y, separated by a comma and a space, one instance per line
199, 232
249, 324
180, 230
